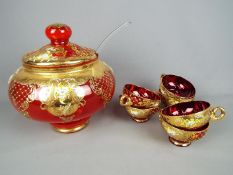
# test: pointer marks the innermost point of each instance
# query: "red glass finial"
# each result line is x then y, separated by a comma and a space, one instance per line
59, 34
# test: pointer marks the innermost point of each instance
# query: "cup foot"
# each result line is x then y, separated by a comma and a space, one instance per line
71, 126
140, 120
179, 143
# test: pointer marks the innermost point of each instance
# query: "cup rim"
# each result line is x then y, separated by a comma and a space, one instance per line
183, 79
202, 128
140, 108
180, 104
130, 92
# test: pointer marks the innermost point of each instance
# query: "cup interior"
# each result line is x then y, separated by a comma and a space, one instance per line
140, 92
178, 86
185, 108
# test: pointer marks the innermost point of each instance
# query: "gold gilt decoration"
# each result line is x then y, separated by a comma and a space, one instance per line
82, 51
171, 98
62, 98
57, 77
57, 25
45, 54
50, 55
140, 115
103, 86
182, 137
21, 95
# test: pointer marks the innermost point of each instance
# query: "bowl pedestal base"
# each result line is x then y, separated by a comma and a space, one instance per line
71, 126
179, 143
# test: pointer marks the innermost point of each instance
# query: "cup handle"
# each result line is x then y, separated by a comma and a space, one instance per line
161, 77
213, 112
157, 92
125, 100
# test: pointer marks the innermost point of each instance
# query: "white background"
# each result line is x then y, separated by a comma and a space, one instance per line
193, 39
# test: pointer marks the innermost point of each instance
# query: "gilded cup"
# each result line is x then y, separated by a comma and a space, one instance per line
140, 115
175, 89
181, 137
191, 115
139, 102
137, 96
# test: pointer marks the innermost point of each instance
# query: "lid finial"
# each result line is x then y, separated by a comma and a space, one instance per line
58, 33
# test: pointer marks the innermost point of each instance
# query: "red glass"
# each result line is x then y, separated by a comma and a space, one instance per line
59, 34
137, 94
62, 83
186, 108
93, 102
178, 85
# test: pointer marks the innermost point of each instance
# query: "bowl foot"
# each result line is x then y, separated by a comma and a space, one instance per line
140, 120
179, 143
71, 126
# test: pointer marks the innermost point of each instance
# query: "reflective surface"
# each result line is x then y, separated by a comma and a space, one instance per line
178, 85
175, 89
191, 115
58, 91
139, 97
182, 137
60, 52
139, 102
186, 108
